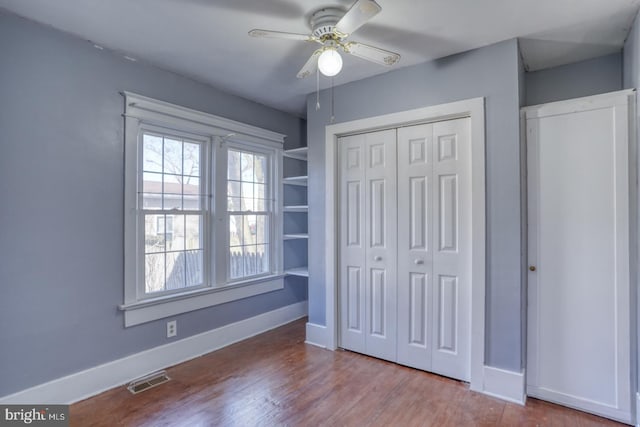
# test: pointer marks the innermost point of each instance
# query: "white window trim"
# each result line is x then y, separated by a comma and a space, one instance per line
141, 111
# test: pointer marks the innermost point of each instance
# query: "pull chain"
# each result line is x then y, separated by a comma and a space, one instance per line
317, 89
333, 117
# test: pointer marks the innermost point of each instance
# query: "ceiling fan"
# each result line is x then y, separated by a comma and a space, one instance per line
330, 27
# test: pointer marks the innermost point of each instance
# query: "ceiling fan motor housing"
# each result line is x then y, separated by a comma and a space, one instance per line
324, 21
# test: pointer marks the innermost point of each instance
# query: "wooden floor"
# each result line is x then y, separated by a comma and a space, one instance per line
275, 379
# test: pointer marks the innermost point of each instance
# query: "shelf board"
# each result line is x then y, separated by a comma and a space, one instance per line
297, 153
295, 180
295, 236
298, 271
296, 208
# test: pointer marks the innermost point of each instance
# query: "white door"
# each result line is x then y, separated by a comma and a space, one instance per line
579, 295
434, 242
368, 244
411, 294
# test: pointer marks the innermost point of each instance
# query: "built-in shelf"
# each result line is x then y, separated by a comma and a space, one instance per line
297, 153
298, 271
298, 240
295, 180
296, 208
295, 236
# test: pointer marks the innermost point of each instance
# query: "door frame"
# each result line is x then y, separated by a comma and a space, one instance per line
626, 98
474, 109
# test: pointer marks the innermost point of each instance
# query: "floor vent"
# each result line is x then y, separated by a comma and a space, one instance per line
147, 382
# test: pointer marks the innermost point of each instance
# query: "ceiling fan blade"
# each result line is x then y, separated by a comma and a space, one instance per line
373, 54
357, 16
310, 66
281, 35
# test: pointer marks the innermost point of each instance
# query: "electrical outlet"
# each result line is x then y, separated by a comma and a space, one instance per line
172, 328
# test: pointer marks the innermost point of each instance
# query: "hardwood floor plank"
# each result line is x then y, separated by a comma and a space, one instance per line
275, 379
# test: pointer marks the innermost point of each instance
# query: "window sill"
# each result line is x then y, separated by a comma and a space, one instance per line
161, 307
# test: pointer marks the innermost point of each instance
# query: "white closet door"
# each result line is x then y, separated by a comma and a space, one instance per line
452, 249
368, 244
381, 241
352, 243
415, 246
434, 242
579, 295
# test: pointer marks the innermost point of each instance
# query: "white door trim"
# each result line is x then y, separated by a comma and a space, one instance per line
472, 108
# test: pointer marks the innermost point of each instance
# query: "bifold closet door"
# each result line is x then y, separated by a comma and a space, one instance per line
434, 242
368, 304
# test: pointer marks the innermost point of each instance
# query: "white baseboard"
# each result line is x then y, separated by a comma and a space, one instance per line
505, 385
87, 383
316, 335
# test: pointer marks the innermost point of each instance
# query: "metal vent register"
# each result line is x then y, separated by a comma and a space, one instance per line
147, 382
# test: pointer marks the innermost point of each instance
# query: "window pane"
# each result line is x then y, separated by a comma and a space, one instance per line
260, 203
262, 233
152, 182
174, 232
172, 156
153, 236
246, 166
233, 189
193, 232
151, 153
192, 195
250, 261
260, 170
234, 204
172, 192
191, 159
175, 270
262, 259
152, 201
195, 272
233, 165
235, 230
249, 229
236, 262
154, 273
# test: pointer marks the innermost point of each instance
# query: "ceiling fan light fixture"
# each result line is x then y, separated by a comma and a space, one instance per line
330, 62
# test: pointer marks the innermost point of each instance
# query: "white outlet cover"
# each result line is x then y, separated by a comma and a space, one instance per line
172, 329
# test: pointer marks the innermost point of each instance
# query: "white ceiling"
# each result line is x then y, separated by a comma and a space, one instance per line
207, 39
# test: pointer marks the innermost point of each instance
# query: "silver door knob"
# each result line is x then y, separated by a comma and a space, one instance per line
418, 262
377, 258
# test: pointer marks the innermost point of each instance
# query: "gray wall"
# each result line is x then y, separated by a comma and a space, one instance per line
490, 72
631, 57
61, 209
584, 78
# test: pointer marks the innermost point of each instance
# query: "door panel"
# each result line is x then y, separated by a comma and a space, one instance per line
352, 267
448, 213
380, 217
578, 207
452, 254
418, 310
415, 258
448, 313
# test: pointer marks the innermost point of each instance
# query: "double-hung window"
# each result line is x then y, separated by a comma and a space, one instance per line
202, 210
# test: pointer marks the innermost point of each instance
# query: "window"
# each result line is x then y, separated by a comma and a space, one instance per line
249, 212
202, 220
171, 197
